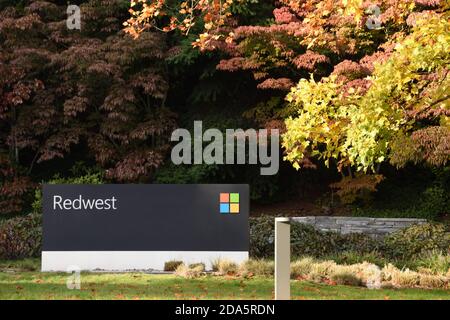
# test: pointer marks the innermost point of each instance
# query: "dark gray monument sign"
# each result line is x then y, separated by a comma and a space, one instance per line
125, 227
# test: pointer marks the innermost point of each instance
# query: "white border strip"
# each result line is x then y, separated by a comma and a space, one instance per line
131, 260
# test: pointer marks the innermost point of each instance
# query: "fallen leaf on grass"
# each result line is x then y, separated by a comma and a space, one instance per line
330, 282
203, 288
311, 289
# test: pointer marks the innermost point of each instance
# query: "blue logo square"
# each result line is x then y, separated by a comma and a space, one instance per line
224, 208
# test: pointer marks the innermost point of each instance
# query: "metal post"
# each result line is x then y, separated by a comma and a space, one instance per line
282, 259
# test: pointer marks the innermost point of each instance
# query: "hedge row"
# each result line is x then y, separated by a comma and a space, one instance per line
408, 243
21, 237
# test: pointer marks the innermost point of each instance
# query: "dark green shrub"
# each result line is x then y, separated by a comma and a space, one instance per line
419, 194
404, 248
23, 265
262, 232
432, 203
306, 240
197, 265
172, 265
355, 242
185, 174
435, 201
416, 240
90, 177
21, 237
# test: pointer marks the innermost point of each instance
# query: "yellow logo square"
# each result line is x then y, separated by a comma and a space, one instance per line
234, 207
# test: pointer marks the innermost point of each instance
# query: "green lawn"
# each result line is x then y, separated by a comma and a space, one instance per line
16, 283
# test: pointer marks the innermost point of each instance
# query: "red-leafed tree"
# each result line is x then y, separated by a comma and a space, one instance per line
96, 89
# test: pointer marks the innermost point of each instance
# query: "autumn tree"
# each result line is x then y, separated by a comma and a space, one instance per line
365, 84
96, 89
26, 108
359, 118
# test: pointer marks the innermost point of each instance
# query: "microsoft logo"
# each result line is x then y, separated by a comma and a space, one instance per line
229, 203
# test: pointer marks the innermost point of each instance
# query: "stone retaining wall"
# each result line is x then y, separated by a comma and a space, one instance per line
376, 227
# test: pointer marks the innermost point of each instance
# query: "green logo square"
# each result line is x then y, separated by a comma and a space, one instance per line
234, 197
